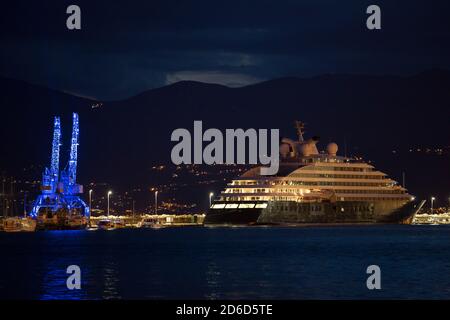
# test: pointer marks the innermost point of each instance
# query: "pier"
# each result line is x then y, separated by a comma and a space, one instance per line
169, 220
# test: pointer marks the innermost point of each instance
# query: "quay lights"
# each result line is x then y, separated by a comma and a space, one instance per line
211, 194
109, 195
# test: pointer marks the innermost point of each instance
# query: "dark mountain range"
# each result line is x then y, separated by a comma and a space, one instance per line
369, 116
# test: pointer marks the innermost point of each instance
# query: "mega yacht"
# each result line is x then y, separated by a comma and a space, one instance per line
313, 187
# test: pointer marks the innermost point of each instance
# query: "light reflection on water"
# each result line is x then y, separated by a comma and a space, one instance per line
53, 284
212, 281
221, 263
110, 281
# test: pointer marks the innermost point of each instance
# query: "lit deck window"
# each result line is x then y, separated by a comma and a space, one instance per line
246, 205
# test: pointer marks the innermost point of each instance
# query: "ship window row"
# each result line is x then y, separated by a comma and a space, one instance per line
326, 168
292, 207
239, 205
323, 159
247, 190
297, 199
336, 176
370, 199
229, 199
305, 208
295, 190
301, 183
332, 183
372, 191
243, 183
306, 184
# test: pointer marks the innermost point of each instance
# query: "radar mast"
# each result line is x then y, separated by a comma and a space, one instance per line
300, 126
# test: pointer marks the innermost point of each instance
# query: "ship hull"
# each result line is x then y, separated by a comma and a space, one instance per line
344, 212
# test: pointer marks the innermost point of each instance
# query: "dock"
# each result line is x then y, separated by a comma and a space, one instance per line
443, 218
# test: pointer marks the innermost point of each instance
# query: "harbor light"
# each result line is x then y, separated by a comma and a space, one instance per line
156, 202
90, 199
432, 200
211, 194
109, 195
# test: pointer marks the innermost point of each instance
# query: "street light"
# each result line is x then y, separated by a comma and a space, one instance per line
211, 194
156, 202
432, 200
109, 194
90, 199
25, 204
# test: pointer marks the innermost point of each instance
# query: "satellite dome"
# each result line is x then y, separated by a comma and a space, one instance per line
332, 149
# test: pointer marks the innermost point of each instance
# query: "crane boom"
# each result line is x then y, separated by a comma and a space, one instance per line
56, 144
74, 150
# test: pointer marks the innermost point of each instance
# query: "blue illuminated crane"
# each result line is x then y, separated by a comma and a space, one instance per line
62, 195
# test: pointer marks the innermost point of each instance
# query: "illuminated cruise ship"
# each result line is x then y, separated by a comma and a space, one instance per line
313, 187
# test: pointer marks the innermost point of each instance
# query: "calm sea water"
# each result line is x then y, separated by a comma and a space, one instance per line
228, 263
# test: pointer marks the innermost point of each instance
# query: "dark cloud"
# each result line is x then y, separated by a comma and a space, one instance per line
125, 47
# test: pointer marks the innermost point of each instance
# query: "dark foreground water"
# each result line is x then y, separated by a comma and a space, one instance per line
228, 263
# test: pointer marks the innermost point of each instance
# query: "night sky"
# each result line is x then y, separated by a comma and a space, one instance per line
126, 47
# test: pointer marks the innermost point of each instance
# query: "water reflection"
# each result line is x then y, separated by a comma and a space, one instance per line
318, 263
